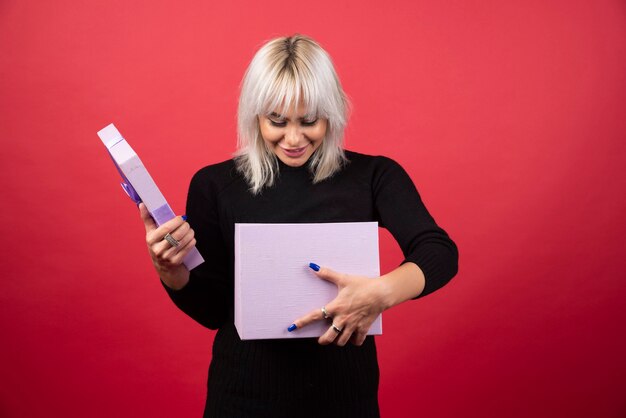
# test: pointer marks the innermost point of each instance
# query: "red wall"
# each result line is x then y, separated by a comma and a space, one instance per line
509, 116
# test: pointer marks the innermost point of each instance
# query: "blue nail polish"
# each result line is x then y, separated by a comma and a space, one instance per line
184, 217
292, 327
314, 266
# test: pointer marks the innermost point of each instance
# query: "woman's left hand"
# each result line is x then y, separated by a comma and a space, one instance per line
359, 302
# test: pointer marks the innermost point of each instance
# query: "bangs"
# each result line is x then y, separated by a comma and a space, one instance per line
288, 89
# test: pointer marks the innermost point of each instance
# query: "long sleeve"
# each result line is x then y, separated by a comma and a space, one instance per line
401, 210
207, 297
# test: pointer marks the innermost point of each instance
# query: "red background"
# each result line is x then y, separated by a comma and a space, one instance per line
509, 116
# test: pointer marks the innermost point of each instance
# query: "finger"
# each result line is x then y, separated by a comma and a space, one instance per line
170, 226
358, 338
164, 250
180, 256
148, 222
328, 274
180, 233
345, 335
307, 319
188, 235
170, 250
330, 335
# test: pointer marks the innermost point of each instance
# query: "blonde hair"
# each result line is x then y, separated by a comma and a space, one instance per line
288, 71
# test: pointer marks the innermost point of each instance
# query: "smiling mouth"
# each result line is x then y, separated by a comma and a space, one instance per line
294, 152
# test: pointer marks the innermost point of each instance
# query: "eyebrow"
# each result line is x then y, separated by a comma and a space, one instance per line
276, 115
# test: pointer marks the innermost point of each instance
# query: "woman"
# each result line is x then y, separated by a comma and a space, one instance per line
290, 167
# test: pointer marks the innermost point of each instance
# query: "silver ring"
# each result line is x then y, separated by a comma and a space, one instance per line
172, 241
337, 330
325, 312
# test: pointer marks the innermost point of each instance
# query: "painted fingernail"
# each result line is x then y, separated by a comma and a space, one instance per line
184, 217
314, 266
292, 327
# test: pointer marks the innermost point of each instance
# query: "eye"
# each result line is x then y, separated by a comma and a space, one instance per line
278, 123
309, 122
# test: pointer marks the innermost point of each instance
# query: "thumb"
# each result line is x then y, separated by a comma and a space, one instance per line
148, 222
327, 274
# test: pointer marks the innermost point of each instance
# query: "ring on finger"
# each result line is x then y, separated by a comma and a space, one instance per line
171, 240
336, 329
325, 313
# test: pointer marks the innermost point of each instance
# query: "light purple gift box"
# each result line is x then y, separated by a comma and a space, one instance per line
274, 284
138, 184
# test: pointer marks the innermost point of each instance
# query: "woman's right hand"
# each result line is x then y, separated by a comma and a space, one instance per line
167, 259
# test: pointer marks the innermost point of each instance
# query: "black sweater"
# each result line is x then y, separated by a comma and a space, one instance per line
277, 377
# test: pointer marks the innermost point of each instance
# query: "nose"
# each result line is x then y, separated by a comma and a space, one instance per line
293, 137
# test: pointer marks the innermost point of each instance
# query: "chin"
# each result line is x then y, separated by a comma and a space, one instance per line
295, 162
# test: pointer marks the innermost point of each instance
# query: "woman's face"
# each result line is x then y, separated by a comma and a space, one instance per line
293, 136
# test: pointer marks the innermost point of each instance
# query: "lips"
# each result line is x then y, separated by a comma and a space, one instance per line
294, 152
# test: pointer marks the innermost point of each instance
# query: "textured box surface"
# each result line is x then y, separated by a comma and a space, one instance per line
274, 284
